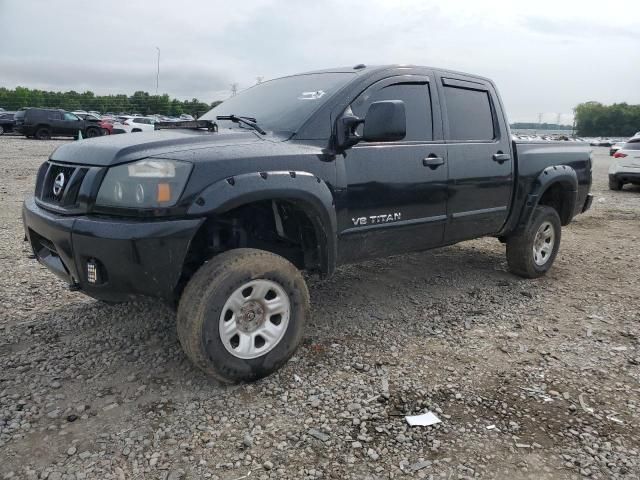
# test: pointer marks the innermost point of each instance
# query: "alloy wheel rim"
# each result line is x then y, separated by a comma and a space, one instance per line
254, 319
543, 243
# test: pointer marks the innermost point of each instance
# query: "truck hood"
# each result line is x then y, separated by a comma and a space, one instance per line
115, 149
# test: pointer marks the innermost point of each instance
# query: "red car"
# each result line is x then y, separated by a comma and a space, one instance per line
106, 124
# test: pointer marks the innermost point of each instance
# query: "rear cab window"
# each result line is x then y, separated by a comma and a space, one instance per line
470, 112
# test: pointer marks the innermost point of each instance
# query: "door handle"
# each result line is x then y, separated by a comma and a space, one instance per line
501, 157
433, 162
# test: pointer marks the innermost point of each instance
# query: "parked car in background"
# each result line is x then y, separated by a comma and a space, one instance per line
140, 124
627, 167
88, 116
44, 123
106, 124
7, 122
601, 142
615, 147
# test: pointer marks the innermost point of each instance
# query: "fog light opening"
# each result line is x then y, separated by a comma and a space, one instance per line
93, 272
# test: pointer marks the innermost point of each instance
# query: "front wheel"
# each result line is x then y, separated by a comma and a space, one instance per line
531, 253
242, 315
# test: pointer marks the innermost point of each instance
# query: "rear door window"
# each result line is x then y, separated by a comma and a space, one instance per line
469, 113
55, 116
417, 104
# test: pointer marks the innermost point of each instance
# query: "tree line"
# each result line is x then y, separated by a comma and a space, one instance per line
593, 119
140, 102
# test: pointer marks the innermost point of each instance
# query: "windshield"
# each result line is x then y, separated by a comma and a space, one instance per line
280, 105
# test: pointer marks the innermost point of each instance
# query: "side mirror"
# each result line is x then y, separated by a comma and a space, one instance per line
386, 121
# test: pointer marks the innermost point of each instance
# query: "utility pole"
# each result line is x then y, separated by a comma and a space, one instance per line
234, 89
158, 71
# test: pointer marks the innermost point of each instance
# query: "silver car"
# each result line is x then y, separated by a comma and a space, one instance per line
626, 168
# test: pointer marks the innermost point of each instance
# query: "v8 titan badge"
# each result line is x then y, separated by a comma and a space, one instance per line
377, 219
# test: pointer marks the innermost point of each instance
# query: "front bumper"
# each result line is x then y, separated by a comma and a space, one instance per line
133, 257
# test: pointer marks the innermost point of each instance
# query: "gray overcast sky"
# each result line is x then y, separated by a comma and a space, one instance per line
546, 56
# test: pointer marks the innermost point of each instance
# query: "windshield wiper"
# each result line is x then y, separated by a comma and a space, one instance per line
246, 120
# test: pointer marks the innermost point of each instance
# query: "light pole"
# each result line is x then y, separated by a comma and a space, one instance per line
158, 71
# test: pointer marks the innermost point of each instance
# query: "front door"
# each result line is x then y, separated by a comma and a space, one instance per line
396, 191
479, 157
71, 125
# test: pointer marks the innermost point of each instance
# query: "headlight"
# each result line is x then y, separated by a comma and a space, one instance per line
148, 183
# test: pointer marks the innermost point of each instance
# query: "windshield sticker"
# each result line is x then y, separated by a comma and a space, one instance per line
312, 95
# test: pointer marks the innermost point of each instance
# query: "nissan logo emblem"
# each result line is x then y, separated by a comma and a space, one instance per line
58, 184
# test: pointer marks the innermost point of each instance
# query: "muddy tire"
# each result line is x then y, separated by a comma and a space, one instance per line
43, 133
242, 315
531, 253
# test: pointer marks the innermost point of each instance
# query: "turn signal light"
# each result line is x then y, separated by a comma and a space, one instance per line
164, 192
619, 155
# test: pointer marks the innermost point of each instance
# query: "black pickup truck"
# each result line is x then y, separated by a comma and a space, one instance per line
305, 172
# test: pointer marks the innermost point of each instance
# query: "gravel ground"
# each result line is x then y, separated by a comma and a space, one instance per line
532, 379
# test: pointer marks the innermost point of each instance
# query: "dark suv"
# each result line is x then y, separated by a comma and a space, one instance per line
6, 122
44, 123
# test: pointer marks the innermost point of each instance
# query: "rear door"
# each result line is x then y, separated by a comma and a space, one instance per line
479, 156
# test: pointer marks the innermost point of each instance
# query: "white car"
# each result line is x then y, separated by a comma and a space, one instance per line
134, 124
626, 169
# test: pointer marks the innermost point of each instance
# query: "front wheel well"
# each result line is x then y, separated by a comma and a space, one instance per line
283, 227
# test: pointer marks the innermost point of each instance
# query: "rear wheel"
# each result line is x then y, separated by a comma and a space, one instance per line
93, 132
242, 315
531, 253
43, 133
615, 184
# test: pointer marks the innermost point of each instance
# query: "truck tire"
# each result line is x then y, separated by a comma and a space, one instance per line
531, 253
43, 133
242, 315
615, 184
